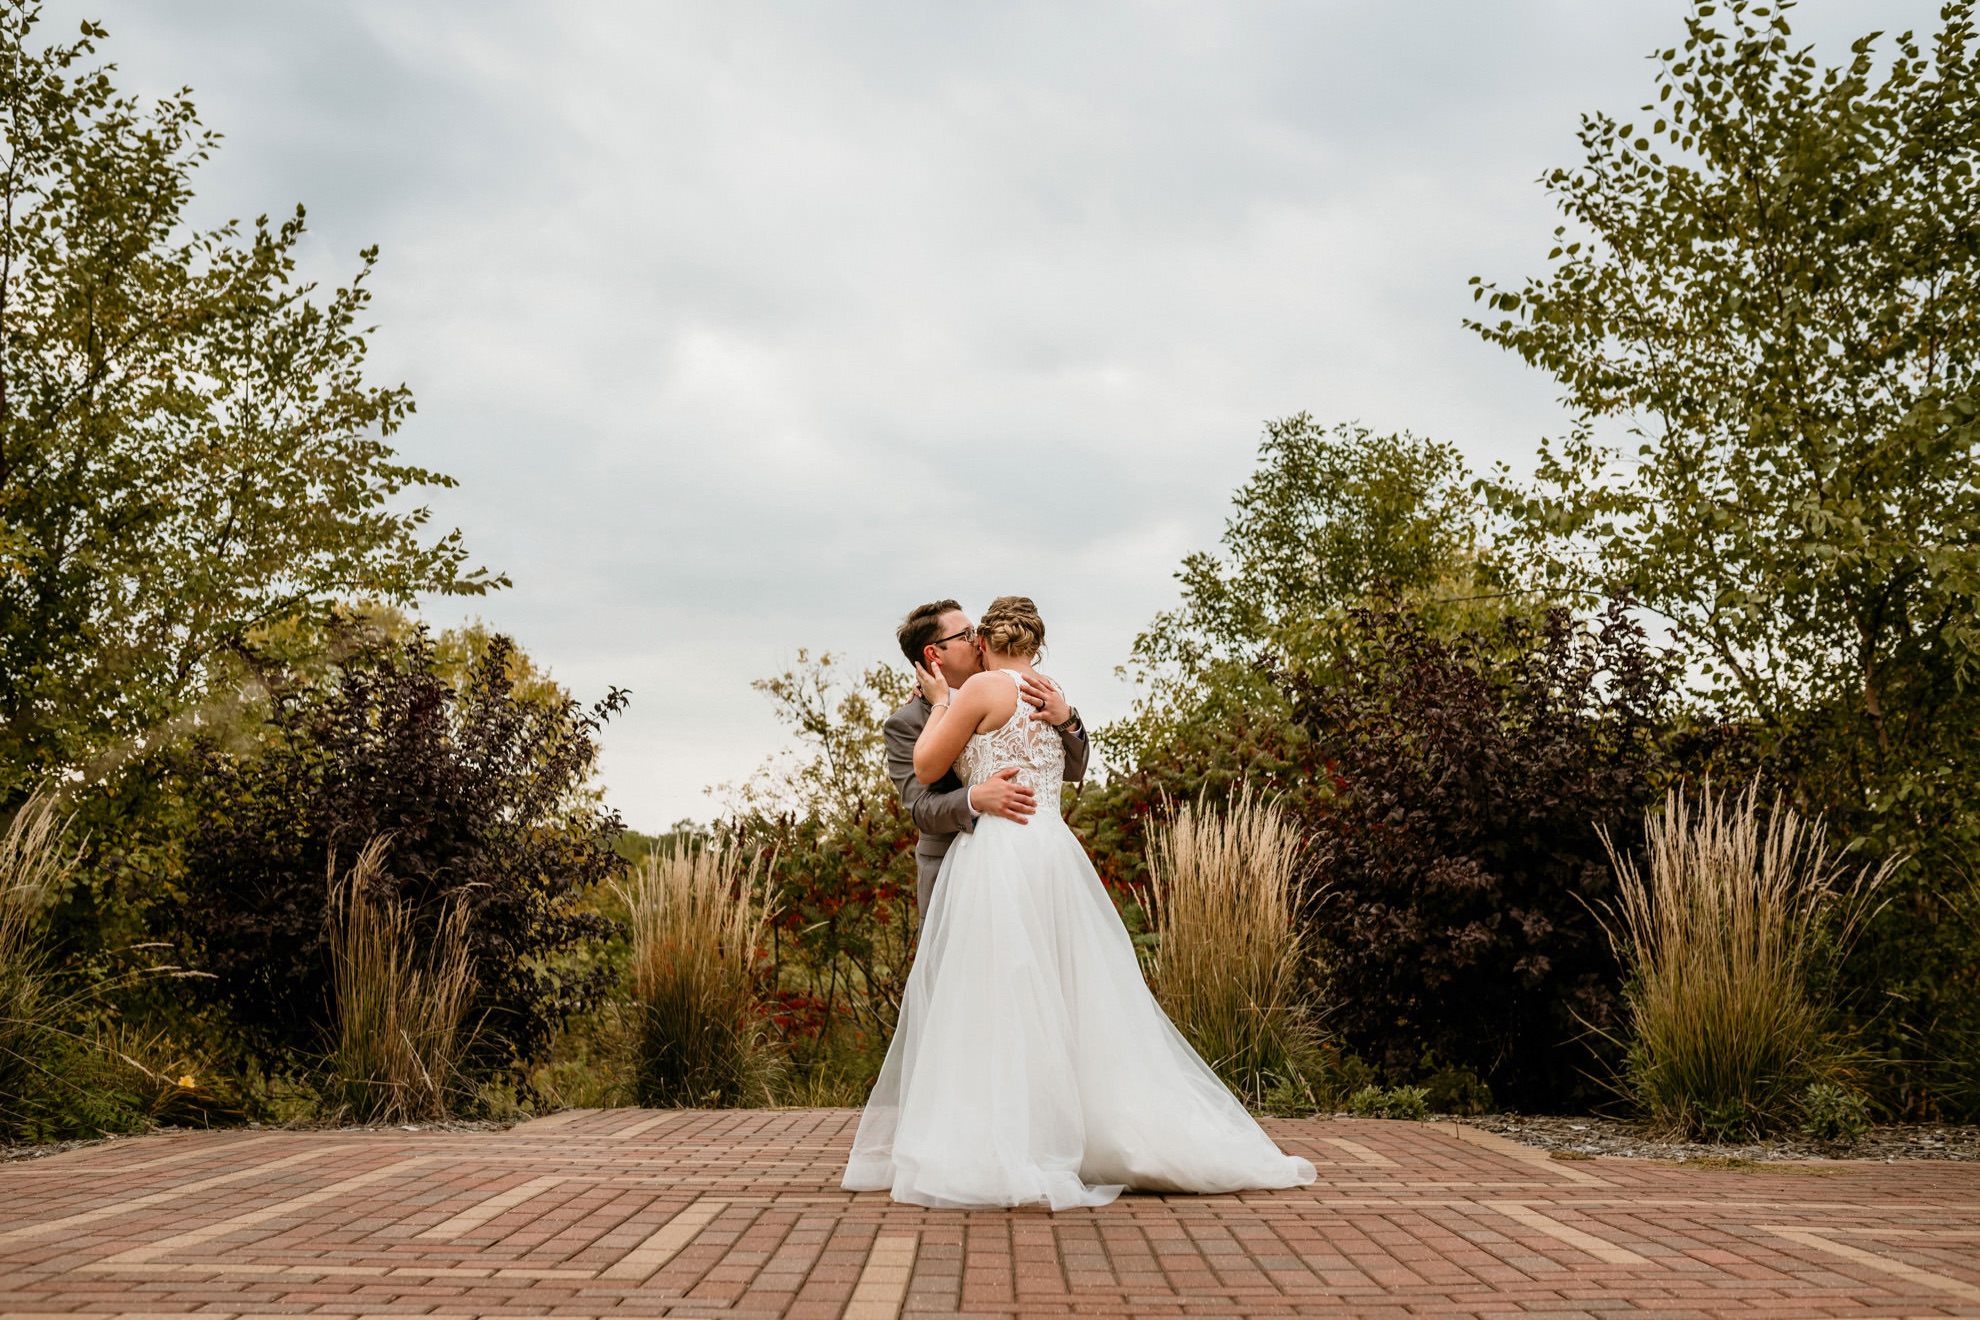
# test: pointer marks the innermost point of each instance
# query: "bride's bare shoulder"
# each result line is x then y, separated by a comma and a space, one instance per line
993, 694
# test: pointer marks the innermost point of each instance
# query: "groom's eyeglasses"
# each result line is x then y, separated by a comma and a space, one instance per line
966, 635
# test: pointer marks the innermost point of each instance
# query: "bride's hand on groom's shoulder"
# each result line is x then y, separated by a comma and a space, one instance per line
1051, 703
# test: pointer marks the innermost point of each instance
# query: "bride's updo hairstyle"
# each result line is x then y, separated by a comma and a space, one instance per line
1011, 626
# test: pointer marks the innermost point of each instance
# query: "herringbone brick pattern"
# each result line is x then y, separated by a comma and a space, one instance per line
689, 1213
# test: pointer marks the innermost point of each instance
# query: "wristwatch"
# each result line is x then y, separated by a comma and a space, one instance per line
1072, 720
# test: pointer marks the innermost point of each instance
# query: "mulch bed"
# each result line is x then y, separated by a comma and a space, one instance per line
1571, 1137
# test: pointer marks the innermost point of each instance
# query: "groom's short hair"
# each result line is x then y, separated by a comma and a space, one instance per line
921, 627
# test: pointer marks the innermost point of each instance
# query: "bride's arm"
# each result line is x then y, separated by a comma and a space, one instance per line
947, 731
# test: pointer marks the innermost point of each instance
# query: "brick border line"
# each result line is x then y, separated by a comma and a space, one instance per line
664, 1243
883, 1282
1362, 1154
492, 1208
620, 1134
1818, 1239
116, 1208
1600, 1248
147, 1251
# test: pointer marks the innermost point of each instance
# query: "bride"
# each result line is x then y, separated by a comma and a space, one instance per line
1031, 1065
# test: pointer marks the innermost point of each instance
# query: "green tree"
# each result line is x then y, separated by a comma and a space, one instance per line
189, 447
1329, 518
841, 758
1769, 279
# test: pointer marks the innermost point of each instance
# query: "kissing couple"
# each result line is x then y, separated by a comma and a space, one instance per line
1030, 1064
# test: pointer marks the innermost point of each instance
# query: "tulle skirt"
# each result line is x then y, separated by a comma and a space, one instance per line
1031, 1065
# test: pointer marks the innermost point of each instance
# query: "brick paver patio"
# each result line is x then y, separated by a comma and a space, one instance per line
691, 1213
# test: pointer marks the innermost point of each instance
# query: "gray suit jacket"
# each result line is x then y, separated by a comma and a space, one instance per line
941, 810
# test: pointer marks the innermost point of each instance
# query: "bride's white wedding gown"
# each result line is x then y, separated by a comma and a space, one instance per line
1031, 1065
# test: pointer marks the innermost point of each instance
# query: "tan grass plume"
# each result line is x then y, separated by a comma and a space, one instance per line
34, 861
698, 919
399, 1018
1718, 934
1231, 961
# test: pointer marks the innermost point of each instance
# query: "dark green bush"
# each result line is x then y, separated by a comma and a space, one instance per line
1454, 1090
1411, 1102
482, 794
1834, 1114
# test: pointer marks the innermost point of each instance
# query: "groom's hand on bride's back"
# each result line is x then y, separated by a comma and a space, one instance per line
1002, 795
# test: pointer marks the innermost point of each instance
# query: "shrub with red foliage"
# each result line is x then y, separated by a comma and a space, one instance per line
1455, 842
842, 914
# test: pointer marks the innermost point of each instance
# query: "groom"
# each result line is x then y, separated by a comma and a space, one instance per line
941, 634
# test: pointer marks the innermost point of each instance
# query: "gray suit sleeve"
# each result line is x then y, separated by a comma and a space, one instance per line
1078, 749
933, 810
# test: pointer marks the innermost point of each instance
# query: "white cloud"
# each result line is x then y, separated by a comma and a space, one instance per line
747, 326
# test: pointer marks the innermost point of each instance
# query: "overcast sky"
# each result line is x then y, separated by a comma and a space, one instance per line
746, 327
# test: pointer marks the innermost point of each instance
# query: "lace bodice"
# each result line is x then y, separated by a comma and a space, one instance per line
1033, 746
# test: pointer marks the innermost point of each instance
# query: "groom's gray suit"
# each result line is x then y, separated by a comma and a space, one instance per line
941, 810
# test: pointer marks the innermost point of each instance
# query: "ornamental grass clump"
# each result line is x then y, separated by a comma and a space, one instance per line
1723, 935
33, 863
1230, 963
61, 1077
698, 1027
398, 1018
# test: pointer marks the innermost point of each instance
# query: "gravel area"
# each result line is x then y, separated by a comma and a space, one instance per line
445, 1125
1568, 1138
9, 1152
